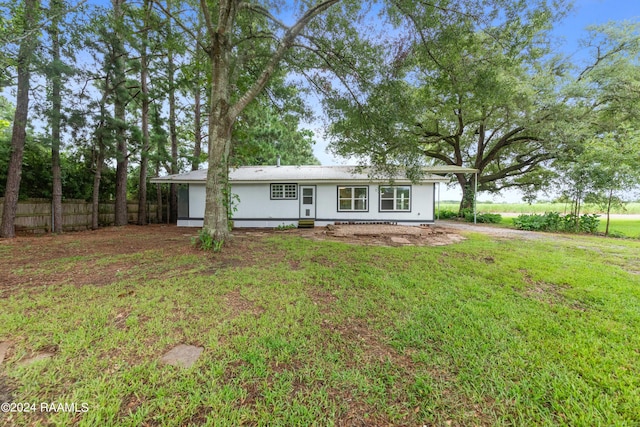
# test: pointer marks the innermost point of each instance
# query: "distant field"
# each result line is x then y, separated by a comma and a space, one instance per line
630, 208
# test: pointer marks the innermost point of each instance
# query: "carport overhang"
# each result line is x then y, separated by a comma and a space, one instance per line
452, 169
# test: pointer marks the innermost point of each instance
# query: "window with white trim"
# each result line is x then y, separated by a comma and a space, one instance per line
397, 198
284, 191
353, 199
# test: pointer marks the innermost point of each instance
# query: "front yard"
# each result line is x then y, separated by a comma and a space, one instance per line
300, 331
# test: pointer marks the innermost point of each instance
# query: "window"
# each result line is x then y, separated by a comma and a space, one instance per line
284, 191
353, 198
395, 198
307, 196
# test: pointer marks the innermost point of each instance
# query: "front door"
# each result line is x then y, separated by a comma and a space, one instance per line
307, 202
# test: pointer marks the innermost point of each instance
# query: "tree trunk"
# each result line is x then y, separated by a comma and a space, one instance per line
468, 193
119, 108
97, 177
197, 127
55, 118
222, 114
173, 136
606, 231
144, 155
19, 132
197, 101
216, 221
173, 133
159, 211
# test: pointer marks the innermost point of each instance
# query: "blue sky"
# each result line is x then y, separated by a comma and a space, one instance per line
592, 12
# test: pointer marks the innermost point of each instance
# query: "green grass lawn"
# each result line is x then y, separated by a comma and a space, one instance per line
627, 227
301, 332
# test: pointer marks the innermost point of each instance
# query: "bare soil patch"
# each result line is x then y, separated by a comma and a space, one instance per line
382, 234
31, 260
78, 258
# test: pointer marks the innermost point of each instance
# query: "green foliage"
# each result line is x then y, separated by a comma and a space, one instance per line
36, 181
206, 242
264, 134
617, 234
283, 227
447, 213
445, 94
483, 218
553, 221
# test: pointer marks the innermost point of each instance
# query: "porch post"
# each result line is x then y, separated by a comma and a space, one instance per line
438, 215
475, 197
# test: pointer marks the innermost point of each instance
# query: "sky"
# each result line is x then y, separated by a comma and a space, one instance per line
585, 13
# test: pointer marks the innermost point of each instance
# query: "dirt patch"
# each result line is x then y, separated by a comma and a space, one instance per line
32, 260
99, 257
237, 304
382, 234
548, 293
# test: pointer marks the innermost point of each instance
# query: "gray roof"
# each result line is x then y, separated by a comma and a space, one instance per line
250, 174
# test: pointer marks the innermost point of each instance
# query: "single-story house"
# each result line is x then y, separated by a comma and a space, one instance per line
271, 196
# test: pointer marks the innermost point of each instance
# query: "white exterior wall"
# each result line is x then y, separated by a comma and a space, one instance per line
256, 209
422, 197
255, 204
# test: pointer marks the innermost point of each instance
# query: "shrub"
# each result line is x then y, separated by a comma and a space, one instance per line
283, 227
533, 222
553, 221
447, 213
589, 223
483, 218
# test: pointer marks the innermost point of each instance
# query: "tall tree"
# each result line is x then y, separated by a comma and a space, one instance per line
469, 87
55, 114
144, 92
119, 105
606, 165
29, 39
224, 109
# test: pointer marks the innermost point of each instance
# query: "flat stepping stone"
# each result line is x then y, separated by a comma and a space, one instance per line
400, 240
183, 356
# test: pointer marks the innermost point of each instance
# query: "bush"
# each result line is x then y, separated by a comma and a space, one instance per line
483, 218
533, 222
446, 214
553, 221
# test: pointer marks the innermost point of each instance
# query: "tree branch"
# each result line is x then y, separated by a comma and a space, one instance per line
285, 44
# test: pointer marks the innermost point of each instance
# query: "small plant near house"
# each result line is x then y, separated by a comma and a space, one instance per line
206, 242
283, 227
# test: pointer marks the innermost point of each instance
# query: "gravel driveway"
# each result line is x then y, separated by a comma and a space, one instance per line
495, 230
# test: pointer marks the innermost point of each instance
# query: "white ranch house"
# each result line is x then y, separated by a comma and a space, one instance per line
270, 196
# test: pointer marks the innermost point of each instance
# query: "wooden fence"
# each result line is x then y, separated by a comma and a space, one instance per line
34, 215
